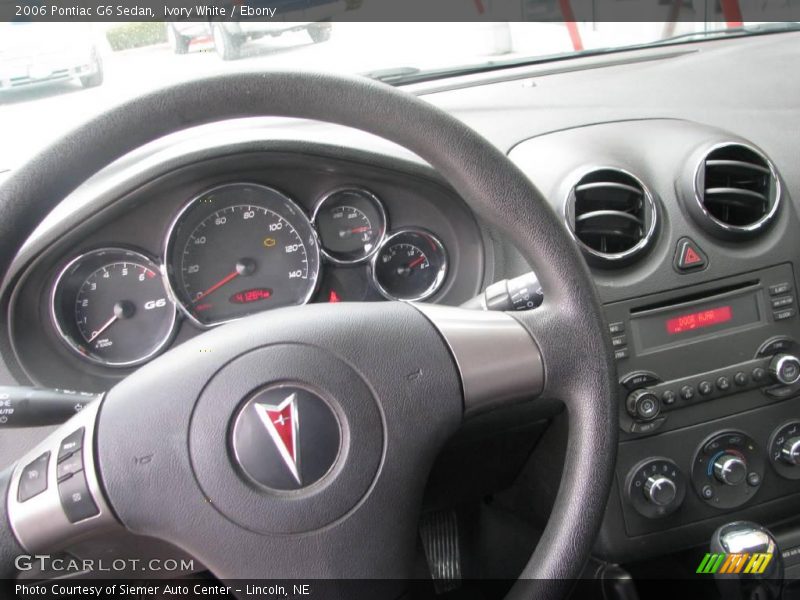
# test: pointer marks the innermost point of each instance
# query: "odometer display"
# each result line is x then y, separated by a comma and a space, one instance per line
239, 249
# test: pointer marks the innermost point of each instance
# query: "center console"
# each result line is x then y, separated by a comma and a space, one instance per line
709, 402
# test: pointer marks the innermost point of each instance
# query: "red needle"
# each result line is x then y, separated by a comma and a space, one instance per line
229, 277
416, 261
360, 229
105, 326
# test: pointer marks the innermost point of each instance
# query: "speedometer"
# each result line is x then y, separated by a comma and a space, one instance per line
239, 249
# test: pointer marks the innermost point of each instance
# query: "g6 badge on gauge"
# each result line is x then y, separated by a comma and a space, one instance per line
238, 249
111, 307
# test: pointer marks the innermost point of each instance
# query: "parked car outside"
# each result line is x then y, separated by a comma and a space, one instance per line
41, 53
230, 36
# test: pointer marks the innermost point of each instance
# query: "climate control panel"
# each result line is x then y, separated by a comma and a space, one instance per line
728, 469
784, 450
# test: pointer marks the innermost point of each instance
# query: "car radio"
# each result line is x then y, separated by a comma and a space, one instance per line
688, 355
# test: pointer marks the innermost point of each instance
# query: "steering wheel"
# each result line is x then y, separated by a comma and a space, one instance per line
296, 443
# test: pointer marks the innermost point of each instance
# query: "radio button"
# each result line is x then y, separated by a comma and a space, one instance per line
616, 328
740, 378
782, 301
705, 388
723, 384
779, 288
644, 405
621, 353
785, 369
687, 392
668, 397
782, 315
759, 374
619, 341
640, 379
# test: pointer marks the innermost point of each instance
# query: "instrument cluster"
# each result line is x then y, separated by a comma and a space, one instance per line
234, 250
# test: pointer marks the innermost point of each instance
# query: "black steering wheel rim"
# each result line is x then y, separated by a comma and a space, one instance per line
579, 364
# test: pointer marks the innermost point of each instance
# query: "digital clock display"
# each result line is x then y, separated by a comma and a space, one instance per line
699, 320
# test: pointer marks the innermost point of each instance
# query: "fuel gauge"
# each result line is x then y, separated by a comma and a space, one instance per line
410, 265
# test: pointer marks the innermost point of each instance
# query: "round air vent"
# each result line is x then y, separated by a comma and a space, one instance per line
736, 191
612, 215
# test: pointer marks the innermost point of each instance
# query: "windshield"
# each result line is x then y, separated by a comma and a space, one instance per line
55, 75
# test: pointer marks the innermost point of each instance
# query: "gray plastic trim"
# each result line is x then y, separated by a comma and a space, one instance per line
497, 359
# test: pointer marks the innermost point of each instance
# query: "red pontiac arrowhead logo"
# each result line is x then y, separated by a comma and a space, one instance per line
283, 426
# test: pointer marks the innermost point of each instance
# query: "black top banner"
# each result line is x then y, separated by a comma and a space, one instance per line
732, 12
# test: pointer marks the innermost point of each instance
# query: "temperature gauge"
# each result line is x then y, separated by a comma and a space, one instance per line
410, 265
351, 224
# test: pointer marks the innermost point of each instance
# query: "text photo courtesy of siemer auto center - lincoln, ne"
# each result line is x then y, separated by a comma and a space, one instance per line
422, 300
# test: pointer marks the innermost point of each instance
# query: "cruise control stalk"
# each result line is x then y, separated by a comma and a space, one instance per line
521, 293
38, 407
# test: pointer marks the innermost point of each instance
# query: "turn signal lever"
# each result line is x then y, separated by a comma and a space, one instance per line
520, 293
37, 407
747, 562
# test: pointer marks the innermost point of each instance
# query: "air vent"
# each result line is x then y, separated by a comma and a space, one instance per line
612, 214
737, 189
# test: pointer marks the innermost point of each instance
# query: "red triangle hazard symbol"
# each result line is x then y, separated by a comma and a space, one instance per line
690, 257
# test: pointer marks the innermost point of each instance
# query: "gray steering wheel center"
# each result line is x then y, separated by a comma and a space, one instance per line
286, 437
302, 449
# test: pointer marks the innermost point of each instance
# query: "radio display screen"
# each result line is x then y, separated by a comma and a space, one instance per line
669, 325
700, 319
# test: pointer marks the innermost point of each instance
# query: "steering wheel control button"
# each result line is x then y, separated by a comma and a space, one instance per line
728, 470
33, 480
69, 465
286, 437
71, 443
76, 500
689, 257
656, 487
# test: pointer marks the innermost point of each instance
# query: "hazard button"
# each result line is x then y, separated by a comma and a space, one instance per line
689, 257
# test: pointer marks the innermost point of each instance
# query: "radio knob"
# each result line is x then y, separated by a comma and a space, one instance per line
790, 452
730, 469
785, 369
643, 405
660, 490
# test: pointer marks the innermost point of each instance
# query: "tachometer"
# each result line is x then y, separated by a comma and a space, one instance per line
238, 249
111, 307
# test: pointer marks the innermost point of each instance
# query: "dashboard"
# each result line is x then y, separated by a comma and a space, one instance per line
230, 236
678, 182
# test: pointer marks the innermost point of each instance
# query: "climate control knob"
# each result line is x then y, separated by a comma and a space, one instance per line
785, 369
660, 490
790, 451
730, 469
